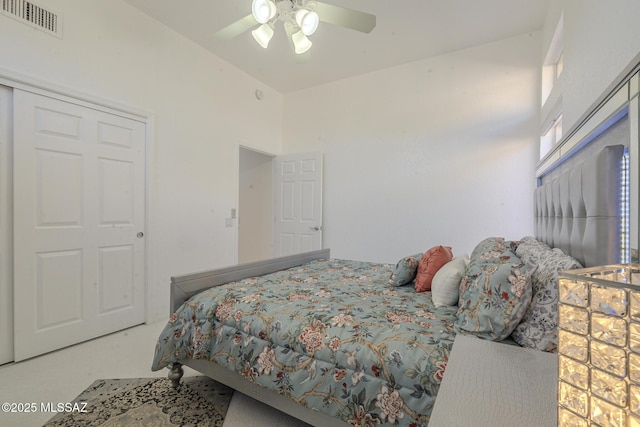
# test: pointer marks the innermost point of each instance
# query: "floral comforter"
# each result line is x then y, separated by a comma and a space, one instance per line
332, 335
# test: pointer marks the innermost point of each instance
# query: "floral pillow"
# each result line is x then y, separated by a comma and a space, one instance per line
494, 295
429, 264
539, 326
492, 248
405, 270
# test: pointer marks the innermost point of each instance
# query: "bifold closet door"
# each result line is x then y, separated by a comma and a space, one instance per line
79, 212
6, 228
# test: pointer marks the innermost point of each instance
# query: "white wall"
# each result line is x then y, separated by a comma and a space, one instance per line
438, 151
600, 39
200, 104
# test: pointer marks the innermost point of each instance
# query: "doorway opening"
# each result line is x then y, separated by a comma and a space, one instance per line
255, 206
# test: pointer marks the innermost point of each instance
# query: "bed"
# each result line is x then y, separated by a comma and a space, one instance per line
334, 341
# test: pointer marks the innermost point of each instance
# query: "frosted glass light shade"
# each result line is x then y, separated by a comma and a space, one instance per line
263, 34
599, 346
301, 43
263, 10
307, 21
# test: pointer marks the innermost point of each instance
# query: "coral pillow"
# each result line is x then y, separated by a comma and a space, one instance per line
429, 264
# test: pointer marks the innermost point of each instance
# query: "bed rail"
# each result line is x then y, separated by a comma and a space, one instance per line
185, 286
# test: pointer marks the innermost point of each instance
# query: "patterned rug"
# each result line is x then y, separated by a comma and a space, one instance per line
199, 401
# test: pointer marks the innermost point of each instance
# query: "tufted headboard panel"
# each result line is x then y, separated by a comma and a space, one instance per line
579, 211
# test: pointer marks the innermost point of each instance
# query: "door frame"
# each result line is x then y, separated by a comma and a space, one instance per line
6, 227
244, 146
21, 81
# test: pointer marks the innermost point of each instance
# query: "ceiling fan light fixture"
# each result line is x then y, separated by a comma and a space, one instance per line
301, 43
307, 21
300, 18
263, 34
263, 10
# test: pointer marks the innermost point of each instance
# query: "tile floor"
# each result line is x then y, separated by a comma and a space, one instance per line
61, 375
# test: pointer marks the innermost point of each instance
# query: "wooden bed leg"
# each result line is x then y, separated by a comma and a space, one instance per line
175, 374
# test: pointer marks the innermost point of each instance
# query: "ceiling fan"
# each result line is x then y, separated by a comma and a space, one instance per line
300, 19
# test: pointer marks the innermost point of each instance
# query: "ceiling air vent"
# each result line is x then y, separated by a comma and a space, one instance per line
33, 15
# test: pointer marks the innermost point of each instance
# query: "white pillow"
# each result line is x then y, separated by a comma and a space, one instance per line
445, 287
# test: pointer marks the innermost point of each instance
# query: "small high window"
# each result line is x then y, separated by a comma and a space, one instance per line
552, 68
551, 137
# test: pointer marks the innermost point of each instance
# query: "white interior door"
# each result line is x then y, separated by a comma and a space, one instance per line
6, 230
79, 209
297, 203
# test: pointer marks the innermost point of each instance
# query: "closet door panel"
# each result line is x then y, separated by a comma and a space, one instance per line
79, 208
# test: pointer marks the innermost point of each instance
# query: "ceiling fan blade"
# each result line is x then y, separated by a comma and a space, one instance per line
237, 28
354, 19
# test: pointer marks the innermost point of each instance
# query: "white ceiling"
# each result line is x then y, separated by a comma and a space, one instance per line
406, 30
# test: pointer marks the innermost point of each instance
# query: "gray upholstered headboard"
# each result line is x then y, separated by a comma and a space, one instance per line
579, 211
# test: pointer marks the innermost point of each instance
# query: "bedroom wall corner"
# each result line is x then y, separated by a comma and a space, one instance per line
437, 151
